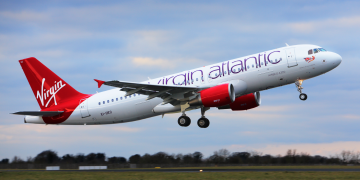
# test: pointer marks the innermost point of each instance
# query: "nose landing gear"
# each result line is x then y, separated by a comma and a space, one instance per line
303, 96
298, 84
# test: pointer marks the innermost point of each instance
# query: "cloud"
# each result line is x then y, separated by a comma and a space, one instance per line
259, 113
126, 129
147, 61
328, 24
351, 116
25, 16
25, 132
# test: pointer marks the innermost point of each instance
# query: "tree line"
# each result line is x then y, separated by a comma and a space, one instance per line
222, 156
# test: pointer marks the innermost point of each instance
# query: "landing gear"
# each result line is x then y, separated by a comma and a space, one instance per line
303, 96
298, 84
203, 122
184, 121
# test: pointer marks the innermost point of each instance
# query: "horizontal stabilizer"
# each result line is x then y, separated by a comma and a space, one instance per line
39, 113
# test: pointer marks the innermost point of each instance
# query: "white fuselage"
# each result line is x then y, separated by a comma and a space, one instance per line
277, 67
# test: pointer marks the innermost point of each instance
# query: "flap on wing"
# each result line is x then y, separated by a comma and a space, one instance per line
151, 90
39, 113
156, 87
146, 89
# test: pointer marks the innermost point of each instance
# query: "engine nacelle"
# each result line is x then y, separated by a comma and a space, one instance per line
244, 102
216, 96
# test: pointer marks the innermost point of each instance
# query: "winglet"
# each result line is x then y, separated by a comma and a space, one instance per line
100, 82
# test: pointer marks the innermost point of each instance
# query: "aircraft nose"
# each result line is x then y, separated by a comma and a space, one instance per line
335, 59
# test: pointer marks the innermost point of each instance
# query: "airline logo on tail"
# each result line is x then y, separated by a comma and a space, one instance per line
48, 95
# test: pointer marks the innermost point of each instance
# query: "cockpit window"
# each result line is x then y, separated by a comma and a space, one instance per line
317, 50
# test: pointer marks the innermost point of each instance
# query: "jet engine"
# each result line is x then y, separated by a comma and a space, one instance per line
244, 102
216, 96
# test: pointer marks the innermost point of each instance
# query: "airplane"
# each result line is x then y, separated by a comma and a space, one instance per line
229, 85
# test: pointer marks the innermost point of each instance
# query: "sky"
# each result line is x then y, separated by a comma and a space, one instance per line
133, 40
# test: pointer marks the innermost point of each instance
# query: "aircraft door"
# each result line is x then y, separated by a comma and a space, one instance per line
84, 108
291, 58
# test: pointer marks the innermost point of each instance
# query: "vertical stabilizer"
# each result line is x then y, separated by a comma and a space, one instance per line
49, 89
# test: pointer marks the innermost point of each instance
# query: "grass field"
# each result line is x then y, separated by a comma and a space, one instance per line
94, 175
170, 175
274, 167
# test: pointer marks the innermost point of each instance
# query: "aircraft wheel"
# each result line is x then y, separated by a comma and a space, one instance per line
203, 122
184, 121
303, 96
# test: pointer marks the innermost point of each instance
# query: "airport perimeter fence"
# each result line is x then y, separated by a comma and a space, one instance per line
127, 165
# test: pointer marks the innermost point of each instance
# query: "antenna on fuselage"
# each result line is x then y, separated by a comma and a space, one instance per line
286, 44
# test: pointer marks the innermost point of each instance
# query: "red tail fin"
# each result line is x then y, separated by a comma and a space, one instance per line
48, 88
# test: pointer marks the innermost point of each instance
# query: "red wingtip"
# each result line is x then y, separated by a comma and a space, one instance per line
100, 82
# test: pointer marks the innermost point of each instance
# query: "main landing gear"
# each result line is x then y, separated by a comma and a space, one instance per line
203, 122
184, 120
298, 84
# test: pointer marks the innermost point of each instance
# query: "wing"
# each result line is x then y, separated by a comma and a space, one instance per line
169, 94
39, 113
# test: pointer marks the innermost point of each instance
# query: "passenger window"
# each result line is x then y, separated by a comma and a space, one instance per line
108, 101
99, 103
112, 100
125, 97
252, 65
116, 99
238, 69
120, 98
225, 72
315, 51
103, 102
310, 51
262, 63
248, 67
134, 95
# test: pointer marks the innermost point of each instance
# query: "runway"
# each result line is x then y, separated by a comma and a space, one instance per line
203, 170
